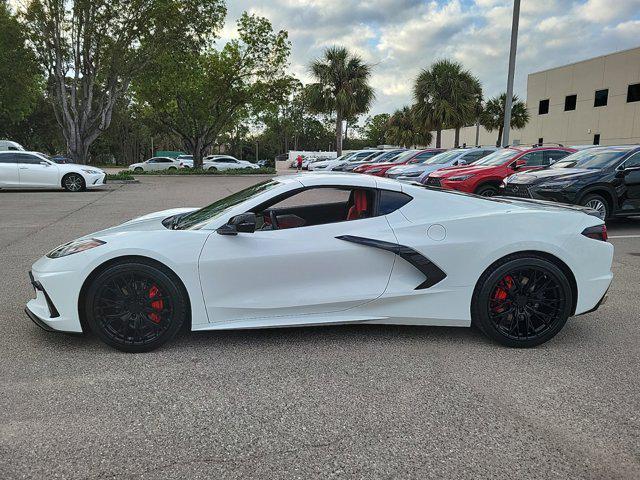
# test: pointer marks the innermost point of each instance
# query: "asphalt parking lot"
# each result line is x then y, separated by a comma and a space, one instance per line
332, 402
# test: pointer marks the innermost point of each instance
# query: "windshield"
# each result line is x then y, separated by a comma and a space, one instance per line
445, 157
591, 158
404, 156
197, 218
498, 157
360, 156
388, 156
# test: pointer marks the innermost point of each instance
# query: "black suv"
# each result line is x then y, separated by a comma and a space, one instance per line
606, 179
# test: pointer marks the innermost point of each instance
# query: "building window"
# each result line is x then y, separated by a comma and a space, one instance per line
601, 99
596, 139
633, 93
543, 108
540, 141
570, 102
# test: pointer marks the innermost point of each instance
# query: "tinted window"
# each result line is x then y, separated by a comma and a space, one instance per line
552, 156
601, 98
7, 158
543, 107
473, 156
25, 158
570, 102
595, 158
534, 159
633, 93
498, 157
392, 201
165, 160
633, 161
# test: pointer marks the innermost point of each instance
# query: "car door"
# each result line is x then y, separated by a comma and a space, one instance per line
631, 174
35, 171
302, 272
8, 170
150, 165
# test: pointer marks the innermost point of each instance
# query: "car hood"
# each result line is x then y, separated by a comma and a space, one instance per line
151, 221
408, 168
467, 170
74, 167
550, 174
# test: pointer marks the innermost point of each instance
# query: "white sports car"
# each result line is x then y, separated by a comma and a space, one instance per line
330, 249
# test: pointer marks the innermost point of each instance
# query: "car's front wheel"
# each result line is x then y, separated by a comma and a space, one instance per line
73, 182
138, 170
212, 169
522, 301
135, 306
487, 191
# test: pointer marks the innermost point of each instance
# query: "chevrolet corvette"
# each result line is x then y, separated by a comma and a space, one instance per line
321, 249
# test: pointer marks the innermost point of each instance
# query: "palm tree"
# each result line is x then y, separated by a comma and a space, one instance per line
492, 117
341, 87
446, 95
405, 131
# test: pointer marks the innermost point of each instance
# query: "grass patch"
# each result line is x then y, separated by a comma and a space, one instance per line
122, 175
192, 171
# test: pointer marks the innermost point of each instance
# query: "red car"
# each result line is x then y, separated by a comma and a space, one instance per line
379, 169
485, 176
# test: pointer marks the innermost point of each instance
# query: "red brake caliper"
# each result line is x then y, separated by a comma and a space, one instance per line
500, 294
158, 304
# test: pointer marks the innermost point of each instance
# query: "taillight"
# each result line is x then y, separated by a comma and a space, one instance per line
599, 232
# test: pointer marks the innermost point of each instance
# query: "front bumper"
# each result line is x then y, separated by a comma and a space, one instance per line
95, 180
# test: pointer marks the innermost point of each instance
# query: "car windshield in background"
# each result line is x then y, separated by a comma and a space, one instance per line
197, 218
404, 156
442, 158
593, 158
498, 157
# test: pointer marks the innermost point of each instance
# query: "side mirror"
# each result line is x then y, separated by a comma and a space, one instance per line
243, 223
517, 164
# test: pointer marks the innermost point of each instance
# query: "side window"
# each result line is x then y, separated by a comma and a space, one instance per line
390, 201
425, 155
153, 160
534, 159
552, 156
25, 158
472, 156
7, 158
633, 161
165, 160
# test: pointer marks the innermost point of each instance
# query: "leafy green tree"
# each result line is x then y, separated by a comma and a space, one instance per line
445, 96
21, 80
404, 129
341, 87
492, 116
199, 95
376, 128
92, 50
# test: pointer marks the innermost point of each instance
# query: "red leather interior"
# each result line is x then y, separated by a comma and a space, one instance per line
359, 207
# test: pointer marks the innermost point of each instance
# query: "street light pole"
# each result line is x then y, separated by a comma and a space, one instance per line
512, 68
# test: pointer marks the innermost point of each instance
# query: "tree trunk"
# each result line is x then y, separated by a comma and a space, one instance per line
438, 137
456, 140
499, 142
198, 153
339, 133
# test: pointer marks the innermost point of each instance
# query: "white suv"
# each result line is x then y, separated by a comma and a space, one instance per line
34, 170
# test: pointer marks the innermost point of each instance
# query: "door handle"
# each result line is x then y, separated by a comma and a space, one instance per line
24, 168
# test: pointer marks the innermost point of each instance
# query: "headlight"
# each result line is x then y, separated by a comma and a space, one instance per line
460, 178
90, 172
557, 184
75, 246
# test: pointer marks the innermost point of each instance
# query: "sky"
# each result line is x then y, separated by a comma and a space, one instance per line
401, 37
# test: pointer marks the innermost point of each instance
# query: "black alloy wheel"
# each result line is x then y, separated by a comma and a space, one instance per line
73, 182
487, 191
522, 302
135, 307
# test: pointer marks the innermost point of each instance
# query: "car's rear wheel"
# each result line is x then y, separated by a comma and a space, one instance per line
522, 301
597, 203
135, 306
73, 182
487, 191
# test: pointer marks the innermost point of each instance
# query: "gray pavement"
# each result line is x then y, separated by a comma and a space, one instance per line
332, 402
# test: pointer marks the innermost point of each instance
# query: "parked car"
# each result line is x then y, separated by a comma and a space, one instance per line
405, 158
9, 145
328, 165
485, 176
379, 156
606, 179
329, 249
19, 169
186, 161
226, 162
453, 158
155, 164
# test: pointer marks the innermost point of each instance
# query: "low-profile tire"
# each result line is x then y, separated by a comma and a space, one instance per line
522, 301
212, 169
73, 182
598, 203
487, 191
135, 306
138, 170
